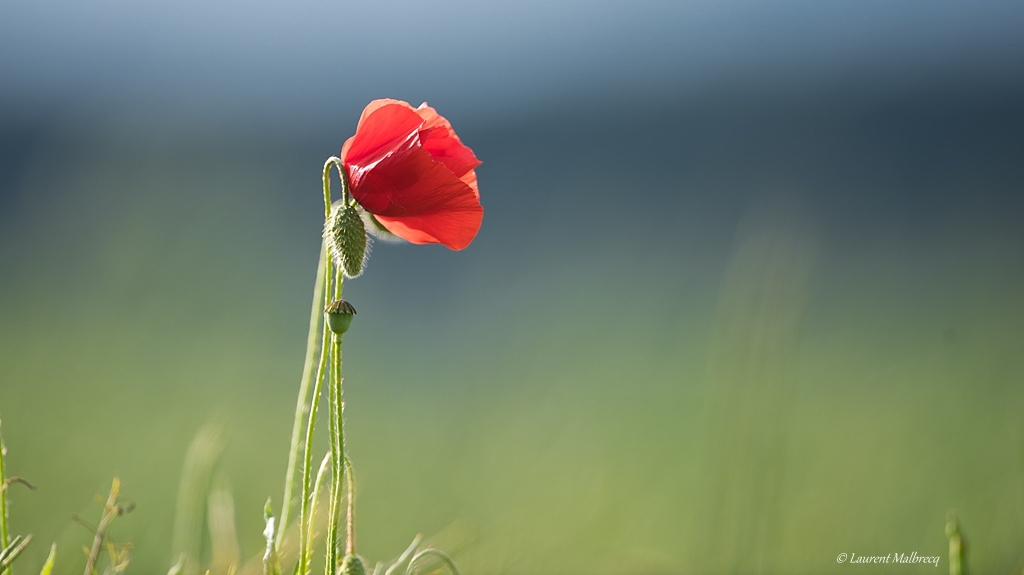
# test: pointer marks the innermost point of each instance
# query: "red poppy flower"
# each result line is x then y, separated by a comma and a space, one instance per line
409, 170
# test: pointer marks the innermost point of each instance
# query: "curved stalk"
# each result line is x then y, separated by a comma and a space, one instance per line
329, 279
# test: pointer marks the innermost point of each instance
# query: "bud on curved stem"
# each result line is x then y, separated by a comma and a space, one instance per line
346, 243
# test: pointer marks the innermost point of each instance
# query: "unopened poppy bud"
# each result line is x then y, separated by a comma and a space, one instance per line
339, 316
346, 238
352, 565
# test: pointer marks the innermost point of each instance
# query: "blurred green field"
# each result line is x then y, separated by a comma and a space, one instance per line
745, 362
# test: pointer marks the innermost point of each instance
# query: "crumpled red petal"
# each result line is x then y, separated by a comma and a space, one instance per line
470, 179
440, 140
386, 128
394, 174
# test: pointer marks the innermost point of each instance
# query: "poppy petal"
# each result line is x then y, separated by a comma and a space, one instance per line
380, 103
383, 129
409, 170
453, 230
445, 147
369, 109
431, 119
420, 199
438, 138
470, 179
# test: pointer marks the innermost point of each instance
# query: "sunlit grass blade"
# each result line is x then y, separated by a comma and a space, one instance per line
271, 565
405, 555
203, 453
410, 570
314, 499
956, 544
302, 405
220, 519
48, 564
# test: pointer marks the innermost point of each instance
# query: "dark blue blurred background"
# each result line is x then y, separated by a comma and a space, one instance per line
749, 290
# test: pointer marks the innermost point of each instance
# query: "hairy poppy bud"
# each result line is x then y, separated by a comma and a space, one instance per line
352, 565
346, 238
339, 316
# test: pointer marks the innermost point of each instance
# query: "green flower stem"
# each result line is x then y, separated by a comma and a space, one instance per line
305, 531
302, 406
327, 185
336, 397
345, 195
326, 271
337, 461
326, 279
337, 431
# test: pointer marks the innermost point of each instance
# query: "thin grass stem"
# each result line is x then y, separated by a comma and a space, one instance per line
337, 459
404, 556
110, 511
305, 533
302, 405
411, 569
8, 555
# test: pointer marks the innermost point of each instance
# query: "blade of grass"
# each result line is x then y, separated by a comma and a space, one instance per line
13, 550
302, 405
48, 565
408, 553
436, 553
315, 496
271, 565
203, 454
7, 550
105, 519
305, 525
